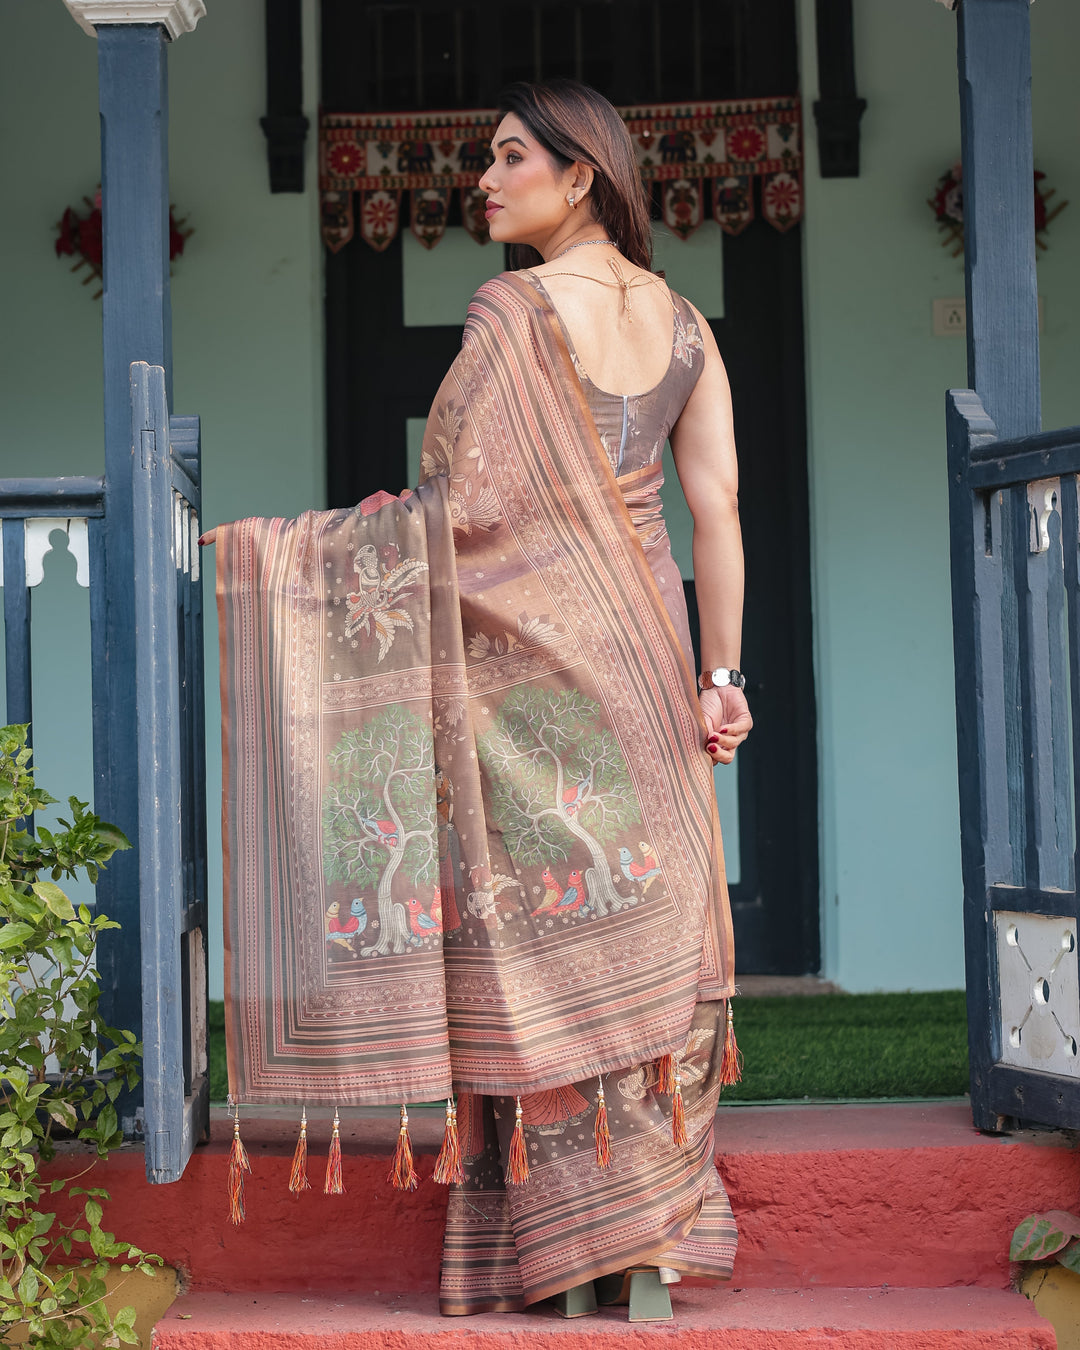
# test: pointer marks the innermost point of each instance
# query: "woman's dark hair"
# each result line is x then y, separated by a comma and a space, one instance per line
573, 122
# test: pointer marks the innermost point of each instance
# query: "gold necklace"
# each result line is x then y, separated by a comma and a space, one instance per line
641, 279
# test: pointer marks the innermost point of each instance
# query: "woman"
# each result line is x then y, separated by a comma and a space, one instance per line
472, 710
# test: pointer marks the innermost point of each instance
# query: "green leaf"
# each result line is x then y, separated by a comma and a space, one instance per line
14, 933
106, 1122
55, 900
28, 1286
64, 1114
1070, 1257
1041, 1235
93, 1212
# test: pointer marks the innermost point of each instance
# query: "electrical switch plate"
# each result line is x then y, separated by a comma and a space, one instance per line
950, 317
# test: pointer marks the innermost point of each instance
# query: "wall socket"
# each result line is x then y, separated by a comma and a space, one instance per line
950, 317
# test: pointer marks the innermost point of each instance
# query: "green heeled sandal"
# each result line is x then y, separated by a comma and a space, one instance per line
578, 1301
644, 1288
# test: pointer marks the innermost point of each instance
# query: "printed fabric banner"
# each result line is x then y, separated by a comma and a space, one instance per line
698, 154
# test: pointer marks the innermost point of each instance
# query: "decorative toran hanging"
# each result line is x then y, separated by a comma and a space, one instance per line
691, 155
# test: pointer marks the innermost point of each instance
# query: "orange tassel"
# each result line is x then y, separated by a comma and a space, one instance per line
333, 1185
517, 1171
448, 1168
601, 1133
732, 1061
678, 1115
666, 1068
403, 1173
298, 1177
238, 1165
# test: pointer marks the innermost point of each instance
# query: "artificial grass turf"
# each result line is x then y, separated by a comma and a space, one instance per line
821, 1046
851, 1045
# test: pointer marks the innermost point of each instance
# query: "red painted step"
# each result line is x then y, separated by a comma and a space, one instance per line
903, 1195
736, 1319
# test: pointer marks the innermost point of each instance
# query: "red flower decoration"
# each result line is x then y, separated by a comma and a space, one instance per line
81, 237
746, 143
344, 158
947, 204
782, 197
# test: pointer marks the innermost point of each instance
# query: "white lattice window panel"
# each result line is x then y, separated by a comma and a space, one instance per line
1039, 992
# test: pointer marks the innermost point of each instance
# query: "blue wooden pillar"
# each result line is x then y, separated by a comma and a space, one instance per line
994, 56
136, 322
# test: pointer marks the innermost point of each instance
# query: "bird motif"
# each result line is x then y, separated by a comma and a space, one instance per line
573, 898
422, 925
436, 907
639, 872
338, 931
385, 830
375, 607
648, 854
553, 893
573, 796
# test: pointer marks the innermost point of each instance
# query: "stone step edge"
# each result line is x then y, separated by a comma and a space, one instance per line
745, 1319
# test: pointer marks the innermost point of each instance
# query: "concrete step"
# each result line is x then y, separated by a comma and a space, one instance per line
735, 1319
903, 1195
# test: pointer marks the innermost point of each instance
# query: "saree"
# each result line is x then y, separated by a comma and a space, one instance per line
470, 832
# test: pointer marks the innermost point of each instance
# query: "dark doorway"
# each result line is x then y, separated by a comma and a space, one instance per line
379, 55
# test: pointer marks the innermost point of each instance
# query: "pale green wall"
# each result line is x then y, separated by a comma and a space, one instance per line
247, 298
891, 886
246, 312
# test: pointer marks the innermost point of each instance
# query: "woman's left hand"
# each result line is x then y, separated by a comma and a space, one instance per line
728, 719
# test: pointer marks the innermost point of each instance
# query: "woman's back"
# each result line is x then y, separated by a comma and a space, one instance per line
624, 353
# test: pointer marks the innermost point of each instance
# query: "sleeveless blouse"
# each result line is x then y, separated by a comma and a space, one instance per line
633, 429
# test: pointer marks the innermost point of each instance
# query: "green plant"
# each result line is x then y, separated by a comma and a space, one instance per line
1051, 1236
60, 1066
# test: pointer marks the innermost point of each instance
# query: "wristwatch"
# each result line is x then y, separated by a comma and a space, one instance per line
716, 679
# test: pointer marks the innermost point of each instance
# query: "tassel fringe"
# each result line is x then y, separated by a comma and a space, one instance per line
403, 1173
601, 1133
448, 1168
333, 1184
517, 1171
239, 1163
298, 1177
678, 1115
666, 1069
732, 1061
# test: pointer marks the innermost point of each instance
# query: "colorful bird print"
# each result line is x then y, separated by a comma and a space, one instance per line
436, 907
355, 924
422, 925
635, 871
385, 830
573, 897
572, 796
553, 892
648, 854
335, 930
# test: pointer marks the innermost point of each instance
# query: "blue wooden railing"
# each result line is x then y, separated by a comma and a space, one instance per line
1016, 612
158, 956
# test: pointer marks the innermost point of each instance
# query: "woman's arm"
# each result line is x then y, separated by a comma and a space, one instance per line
703, 444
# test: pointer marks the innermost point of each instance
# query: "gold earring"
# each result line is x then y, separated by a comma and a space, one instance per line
572, 200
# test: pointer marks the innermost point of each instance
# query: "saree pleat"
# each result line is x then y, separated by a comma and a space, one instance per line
470, 831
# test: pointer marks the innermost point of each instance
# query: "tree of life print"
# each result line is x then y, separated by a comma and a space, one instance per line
557, 777
378, 821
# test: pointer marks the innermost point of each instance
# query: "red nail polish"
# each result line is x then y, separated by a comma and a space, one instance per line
723, 731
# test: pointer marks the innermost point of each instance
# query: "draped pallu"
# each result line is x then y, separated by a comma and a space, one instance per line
471, 841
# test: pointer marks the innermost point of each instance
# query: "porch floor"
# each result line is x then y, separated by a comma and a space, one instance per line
860, 1225
736, 1319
